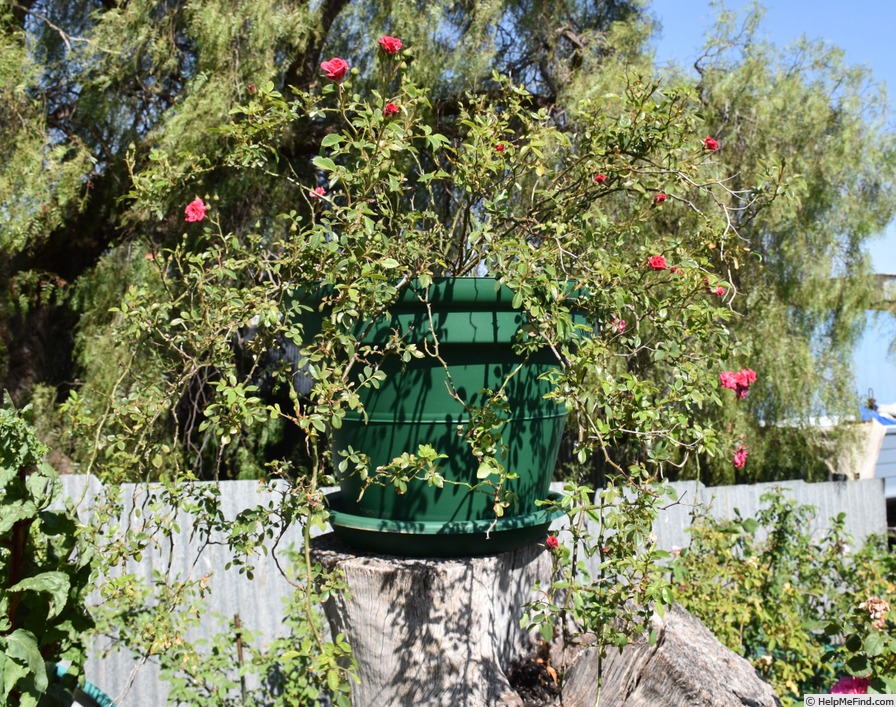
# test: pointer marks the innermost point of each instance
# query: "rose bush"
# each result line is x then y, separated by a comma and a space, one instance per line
509, 193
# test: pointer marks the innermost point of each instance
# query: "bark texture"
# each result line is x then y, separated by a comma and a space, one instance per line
686, 667
434, 632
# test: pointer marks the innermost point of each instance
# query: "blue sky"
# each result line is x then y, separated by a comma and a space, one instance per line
864, 29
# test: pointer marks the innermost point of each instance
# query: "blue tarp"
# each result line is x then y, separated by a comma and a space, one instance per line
868, 414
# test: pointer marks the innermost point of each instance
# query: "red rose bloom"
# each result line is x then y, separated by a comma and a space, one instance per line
728, 379
317, 193
500, 147
739, 382
390, 110
711, 144
195, 210
335, 68
390, 45
720, 291
657, 262
660, 198
740, 457
849, 685
552, 542
600, 178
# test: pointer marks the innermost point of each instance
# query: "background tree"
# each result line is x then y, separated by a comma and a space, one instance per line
803, 289
87, 83
110, 89
94, 93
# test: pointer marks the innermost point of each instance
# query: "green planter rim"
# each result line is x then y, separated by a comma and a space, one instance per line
339, 517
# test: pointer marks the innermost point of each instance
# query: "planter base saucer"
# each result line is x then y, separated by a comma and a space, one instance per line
439, 538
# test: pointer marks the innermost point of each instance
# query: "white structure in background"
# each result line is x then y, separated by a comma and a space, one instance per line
880, 454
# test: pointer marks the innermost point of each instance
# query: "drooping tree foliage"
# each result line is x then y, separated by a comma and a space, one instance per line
95, 93
85, 84
804, 288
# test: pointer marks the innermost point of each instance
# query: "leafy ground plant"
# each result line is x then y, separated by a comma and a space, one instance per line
795, 604
44, 568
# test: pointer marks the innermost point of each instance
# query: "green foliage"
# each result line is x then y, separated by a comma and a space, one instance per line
800, 114
865, 629
604, 587
181, 371
44, 567
772, 591
298, 668
509, 192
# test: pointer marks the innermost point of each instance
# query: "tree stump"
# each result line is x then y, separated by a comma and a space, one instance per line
686, 667
432, 632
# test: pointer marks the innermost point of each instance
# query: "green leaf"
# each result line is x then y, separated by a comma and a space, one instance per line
858, 664
750, 525
11, 673
324, 163
486, 468
13, 515
873, 644
40, 486
330, 140
333, 680
22, 646
56, 584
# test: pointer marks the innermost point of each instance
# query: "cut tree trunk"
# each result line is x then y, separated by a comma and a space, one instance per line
434, 632
687, 666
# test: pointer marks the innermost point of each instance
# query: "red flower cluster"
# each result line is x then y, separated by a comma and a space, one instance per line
552, 542
657, 262
600, 178
739, 382
618, 324
390, 45
195, 210
317, 193
849, 685
660, 198
390, 110
740, 456
335, 69
500, 147
711, 144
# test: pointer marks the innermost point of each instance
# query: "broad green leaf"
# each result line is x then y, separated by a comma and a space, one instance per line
873, 644
22, 646
13, 515
324, 163
56, 584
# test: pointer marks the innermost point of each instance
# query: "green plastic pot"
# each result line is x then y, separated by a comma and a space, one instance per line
475, 324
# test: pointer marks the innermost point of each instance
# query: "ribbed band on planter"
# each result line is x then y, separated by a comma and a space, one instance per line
433, 632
